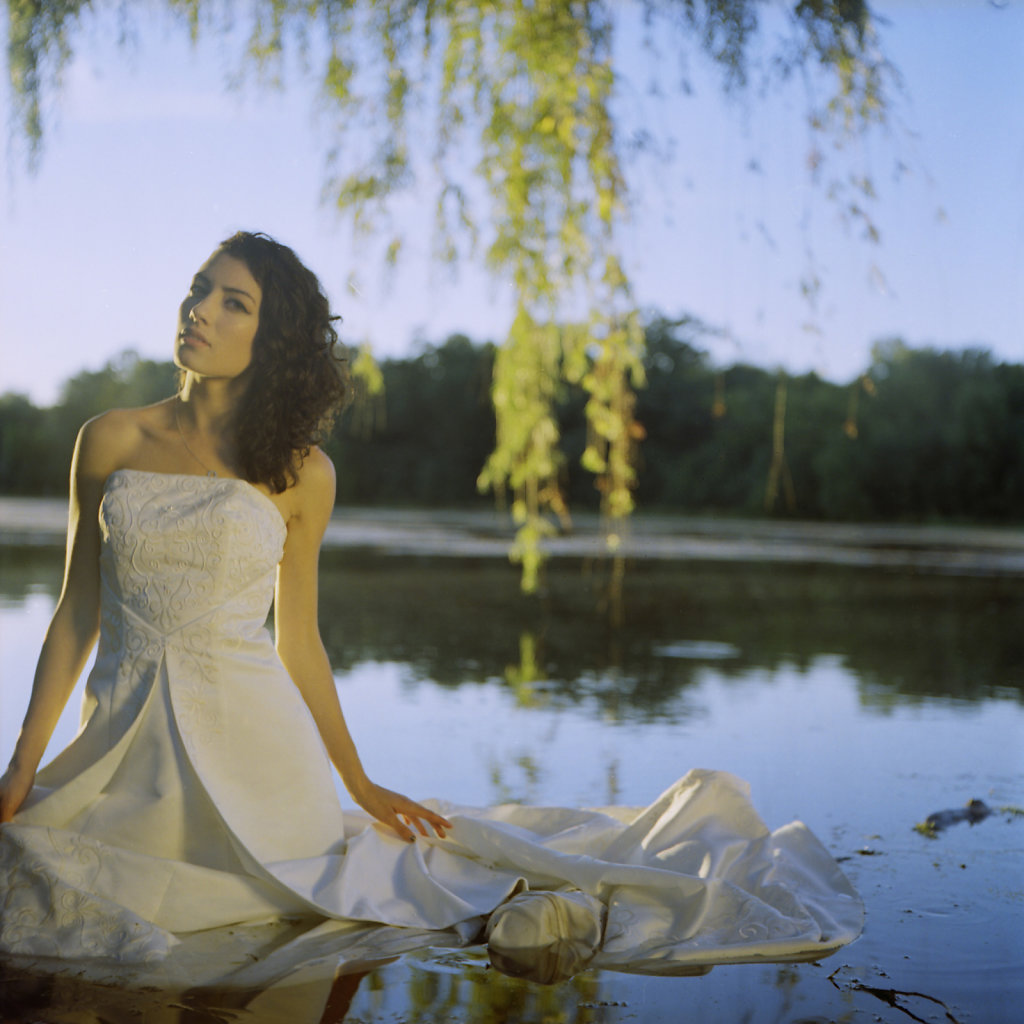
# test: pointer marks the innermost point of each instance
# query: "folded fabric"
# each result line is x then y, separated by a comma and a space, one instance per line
545, 936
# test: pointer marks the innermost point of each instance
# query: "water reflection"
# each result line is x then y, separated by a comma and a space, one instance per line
458, 622
441, 989
31, 997
860, 700
906, 636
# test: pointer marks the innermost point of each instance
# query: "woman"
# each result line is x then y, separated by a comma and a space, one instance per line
197, 799
259, 379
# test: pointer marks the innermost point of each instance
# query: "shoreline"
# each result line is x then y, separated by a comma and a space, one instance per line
482, 533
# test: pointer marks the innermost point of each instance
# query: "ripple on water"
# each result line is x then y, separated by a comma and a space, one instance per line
698, 650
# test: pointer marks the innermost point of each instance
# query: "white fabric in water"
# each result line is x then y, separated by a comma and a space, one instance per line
198, 795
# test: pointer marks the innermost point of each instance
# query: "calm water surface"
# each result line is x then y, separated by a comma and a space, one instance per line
859, 701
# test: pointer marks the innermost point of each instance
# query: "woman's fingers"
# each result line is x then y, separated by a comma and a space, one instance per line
439, 824
413, 822
420, 817
404, 816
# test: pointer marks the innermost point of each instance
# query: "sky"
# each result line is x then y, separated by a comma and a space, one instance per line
148, 162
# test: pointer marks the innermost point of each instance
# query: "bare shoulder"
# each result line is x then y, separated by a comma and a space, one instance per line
317, 480
104, 441
317, 471
110, 440
312, 495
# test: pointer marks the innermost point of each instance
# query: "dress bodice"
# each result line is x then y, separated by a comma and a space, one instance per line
177, 549
187, 569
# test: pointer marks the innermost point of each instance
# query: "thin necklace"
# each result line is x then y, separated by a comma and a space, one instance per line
177, 423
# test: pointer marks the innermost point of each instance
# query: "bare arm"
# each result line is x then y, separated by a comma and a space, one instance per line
75, 624
302, 651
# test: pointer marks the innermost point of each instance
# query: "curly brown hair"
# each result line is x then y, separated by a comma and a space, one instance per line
298, 381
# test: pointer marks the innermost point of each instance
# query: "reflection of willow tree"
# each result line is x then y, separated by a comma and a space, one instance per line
525, 159
455, 623
468, 989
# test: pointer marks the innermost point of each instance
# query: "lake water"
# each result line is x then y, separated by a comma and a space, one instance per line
858, 700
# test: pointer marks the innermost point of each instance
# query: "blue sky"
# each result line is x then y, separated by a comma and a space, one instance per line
148, 163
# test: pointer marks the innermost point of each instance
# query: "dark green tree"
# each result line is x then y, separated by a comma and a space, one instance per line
943, 437
36, 444
924, 434
25, 447
430, 429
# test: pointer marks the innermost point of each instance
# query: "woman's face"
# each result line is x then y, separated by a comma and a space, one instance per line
217, 322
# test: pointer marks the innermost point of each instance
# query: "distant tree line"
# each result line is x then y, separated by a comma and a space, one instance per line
923, 434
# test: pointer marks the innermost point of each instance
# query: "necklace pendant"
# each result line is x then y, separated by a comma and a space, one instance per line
181, 434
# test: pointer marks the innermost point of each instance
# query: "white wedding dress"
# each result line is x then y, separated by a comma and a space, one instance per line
197, 801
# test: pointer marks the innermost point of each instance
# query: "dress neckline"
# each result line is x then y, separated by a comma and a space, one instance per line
209, 479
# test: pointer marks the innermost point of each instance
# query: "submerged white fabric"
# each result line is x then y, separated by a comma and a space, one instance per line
197, 794
546, 936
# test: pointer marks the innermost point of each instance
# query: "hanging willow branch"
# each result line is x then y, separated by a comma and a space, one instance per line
504, 109
778, 472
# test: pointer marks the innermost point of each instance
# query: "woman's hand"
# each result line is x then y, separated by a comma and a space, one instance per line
399, 812
14, 787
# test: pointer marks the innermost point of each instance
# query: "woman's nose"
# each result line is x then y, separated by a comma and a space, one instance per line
196, 312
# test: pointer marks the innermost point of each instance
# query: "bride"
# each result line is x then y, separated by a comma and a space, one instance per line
259, 380
198, 794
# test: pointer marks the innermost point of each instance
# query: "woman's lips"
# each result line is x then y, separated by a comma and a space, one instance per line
194, 340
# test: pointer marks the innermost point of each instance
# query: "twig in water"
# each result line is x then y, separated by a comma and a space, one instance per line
890, 997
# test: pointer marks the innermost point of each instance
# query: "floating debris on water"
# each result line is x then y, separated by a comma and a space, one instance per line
698, 650
973, 812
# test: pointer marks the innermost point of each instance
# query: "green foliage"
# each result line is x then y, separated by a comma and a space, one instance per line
25, 447
932, 435
946, 431
38, 49
431, 429
524, 158
36, 444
